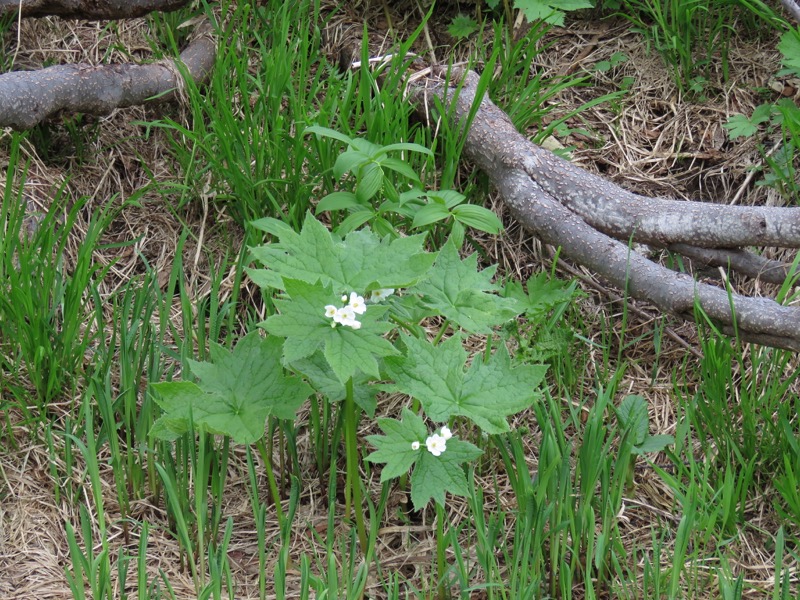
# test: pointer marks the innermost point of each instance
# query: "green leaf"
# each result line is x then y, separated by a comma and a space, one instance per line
449, 198
305, 256
633, 417
348, 161
394, 447
371, 262
486, 393
183, 402
236, 394
457, 290
373, 151
360, 262
302, 321
318, 372
462, 26
789, 46
550, 11
355, 220
328, 132
602, 66
402, 167
264, 278
252, 376
654, 443
404, 146
433, 476
430, 213
337, 201
370, 181
741, 126
410, 195
543, 294
274, 227
478, 217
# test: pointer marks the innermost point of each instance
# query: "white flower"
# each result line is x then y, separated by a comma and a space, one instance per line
436, 444
346, 316
344, 297
357, 304
415, 445
446, 433
381, 294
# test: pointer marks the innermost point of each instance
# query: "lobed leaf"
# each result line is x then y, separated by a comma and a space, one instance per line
486, 393
457, 290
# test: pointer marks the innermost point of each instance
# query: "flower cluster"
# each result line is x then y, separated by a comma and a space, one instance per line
436, 443
347, 315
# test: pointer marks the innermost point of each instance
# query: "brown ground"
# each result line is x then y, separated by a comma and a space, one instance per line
656, 142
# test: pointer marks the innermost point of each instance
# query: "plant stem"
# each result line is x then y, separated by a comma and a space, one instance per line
441, 565
351, 451
273, 485
442, 329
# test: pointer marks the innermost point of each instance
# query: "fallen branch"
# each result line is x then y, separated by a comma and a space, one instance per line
741, 261
594, 222
29, 97
87, 9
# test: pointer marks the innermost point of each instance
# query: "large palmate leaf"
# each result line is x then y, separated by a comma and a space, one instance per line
302, 321
433, 476
360, 262
466, 296
238, 390
486, 393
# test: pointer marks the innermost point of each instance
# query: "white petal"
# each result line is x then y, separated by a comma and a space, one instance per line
357, 303
436, 444
446, 433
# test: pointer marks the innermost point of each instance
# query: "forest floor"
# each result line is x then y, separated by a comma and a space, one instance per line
650, 138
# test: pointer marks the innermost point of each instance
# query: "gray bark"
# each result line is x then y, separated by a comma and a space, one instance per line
741, 261
793, 7
566, 206
29, 97
87, 9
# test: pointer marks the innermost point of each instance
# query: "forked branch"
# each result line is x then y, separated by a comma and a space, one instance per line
594, 221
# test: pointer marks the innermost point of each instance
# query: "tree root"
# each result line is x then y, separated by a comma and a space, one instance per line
29, 97
595, 221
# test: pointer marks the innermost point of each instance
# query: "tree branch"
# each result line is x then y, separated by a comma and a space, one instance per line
793, 7
745, 262
545, 192
29, 97
87, 9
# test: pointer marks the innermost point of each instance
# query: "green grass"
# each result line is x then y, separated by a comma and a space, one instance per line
551, 528
42, 299
694, 36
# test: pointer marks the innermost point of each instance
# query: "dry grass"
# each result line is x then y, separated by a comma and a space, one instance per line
656, 143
